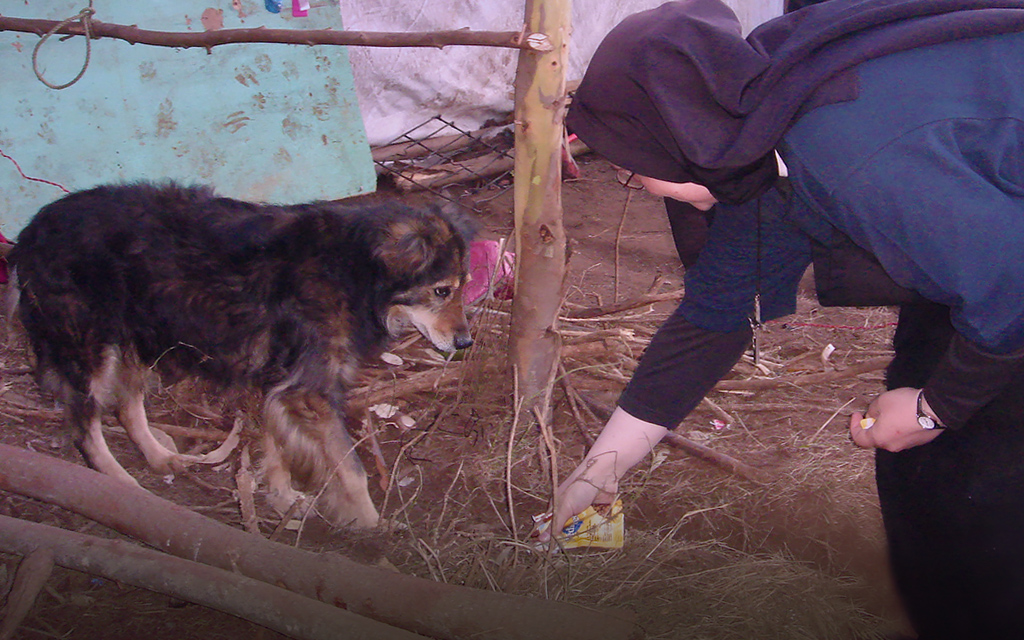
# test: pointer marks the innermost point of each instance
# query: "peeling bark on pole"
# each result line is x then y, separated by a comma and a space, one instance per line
540, 236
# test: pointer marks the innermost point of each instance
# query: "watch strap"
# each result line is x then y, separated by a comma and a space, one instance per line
923, 419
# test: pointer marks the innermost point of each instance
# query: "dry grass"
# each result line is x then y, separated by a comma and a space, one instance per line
709, 555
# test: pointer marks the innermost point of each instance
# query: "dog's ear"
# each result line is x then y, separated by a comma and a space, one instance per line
411, 246
459, 217
413, 243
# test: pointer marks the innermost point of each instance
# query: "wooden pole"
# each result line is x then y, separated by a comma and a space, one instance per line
540, 237
209, 39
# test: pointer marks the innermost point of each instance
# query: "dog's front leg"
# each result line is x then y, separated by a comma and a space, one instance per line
310, 451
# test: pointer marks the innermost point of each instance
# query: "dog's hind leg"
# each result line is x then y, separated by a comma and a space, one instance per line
131, 412
95, 448
85, 411
312, 449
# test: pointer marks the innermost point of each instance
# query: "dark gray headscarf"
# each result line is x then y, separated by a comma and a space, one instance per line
676, 93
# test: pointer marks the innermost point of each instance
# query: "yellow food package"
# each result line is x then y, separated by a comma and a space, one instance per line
601, 527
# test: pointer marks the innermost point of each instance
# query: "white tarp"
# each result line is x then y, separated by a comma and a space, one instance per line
400, 88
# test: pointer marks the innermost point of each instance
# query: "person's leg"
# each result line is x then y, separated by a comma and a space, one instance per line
954, 509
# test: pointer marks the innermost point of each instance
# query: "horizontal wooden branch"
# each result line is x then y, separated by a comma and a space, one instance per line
210, 39
279, 609
437, 610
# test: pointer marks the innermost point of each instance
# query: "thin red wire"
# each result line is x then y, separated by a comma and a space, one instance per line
18, 167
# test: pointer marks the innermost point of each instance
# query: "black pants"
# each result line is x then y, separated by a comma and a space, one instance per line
954, 508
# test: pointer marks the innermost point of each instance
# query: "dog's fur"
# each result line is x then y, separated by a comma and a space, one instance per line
122, 280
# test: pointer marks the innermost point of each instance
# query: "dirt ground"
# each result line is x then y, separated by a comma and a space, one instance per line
797, 552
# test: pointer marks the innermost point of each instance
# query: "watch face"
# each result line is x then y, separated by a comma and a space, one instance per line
926, 422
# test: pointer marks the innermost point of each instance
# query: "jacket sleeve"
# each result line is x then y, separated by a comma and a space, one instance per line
967, 378
682, 363
707, 334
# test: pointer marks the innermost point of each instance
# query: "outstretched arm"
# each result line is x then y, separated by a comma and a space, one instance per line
682, 363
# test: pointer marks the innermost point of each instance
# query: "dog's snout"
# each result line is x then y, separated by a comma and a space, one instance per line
463, 341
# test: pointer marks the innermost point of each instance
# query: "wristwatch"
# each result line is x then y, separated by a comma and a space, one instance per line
923, 419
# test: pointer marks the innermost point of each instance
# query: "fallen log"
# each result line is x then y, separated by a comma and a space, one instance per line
279, 609
437, 610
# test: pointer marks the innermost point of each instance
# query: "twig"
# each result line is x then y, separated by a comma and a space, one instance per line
32, 574
413, 383
718, 411
549, 443
447, 496
246, 484
867, 366
14, 371
190, 432
508, 455
830, 419
576, 405
596, 312
378, 455
618, 240
417, 148
726, 462
286, 518
21, 402
440, 175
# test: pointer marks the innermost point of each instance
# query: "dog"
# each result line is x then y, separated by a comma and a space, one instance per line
117, 282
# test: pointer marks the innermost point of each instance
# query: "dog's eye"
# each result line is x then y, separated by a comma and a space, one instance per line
443, 292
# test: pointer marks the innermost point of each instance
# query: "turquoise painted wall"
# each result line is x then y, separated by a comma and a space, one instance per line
269, 122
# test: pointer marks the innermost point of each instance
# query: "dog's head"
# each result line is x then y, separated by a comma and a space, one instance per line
425, 252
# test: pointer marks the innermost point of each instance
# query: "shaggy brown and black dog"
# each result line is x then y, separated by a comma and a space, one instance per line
118, 281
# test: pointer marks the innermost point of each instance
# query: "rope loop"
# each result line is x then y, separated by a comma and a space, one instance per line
85, 17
